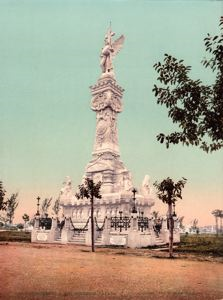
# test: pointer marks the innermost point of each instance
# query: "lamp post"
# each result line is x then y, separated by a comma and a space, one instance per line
38, 199
134, 210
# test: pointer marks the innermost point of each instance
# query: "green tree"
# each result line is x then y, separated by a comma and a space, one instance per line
169, 192
2, 197
217, 214
90, 190
195, 107
45, 206
11, 206
180, 220
221, 217
56, 206
194, 225
25, 218
155, 214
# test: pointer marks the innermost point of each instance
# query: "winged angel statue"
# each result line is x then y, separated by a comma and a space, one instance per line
110, 50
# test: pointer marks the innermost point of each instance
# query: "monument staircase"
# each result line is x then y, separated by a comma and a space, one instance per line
98, 241
78, 238
159, 241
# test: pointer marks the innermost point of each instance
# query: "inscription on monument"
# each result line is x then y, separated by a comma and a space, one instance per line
41, 236
118, 240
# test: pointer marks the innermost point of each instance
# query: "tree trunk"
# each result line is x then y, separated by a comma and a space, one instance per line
216, 220
170, 209
220, 224
92, 224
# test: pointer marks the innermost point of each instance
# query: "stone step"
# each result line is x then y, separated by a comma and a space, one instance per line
159, 241
78, 239
76, 242
98, 241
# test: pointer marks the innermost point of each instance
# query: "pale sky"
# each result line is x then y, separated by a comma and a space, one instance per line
49, 56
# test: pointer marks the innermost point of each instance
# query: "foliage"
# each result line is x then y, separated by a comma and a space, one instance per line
11, 206
89, 189
56, 206
155, 214
195, 107
218, 214
2, 195
25, 218
168, 191
180, 220
45, 205
201, 244
15, 236
194, 223
20, 226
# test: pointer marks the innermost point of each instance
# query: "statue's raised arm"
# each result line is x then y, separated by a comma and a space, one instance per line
109, 51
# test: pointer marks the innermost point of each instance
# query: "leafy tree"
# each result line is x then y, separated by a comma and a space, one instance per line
25, 218
45, 206
2, 196
56, 206
90, 190
20, 226
217, 213
180, 220
194, 225
11, 206
195, 107
169, 192
221, 217
155, 214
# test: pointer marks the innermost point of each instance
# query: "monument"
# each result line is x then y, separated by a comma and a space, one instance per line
123, 214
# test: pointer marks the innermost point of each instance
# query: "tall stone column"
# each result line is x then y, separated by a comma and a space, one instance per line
106, 102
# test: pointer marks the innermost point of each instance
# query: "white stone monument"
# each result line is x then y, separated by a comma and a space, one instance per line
106, 165
116, 219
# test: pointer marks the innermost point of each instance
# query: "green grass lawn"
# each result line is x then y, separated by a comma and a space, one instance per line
15, 236
202, 244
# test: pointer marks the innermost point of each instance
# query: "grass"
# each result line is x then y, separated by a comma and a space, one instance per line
202, 244
15, 236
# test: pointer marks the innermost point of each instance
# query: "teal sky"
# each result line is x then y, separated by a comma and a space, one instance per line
49, 56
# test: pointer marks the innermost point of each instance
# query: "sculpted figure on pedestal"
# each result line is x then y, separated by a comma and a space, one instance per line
146, 187
66, 191
106, 129
110, 50
128, 182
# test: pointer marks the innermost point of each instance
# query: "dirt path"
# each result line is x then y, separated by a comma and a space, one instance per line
31, 271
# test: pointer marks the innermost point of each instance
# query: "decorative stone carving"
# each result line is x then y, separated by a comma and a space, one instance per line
127, 180
106, 99
106, 128
66, 194
146, 186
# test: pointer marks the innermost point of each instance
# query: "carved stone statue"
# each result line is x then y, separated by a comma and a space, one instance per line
146, 187
106, 128
66, 194
128, 182
110, 50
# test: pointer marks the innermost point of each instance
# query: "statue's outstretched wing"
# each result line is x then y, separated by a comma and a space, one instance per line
117, 45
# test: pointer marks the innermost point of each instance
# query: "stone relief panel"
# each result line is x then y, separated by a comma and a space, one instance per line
106, 99
97, 177
106, 127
